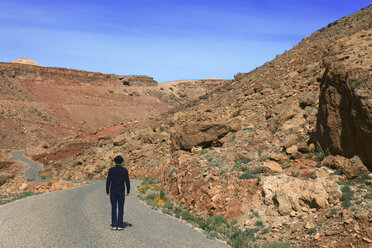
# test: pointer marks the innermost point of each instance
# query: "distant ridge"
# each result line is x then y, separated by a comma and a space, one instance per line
25, 60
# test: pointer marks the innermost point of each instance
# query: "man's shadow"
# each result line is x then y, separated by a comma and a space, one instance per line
125, 224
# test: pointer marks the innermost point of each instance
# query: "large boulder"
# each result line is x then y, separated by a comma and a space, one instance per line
352, 168
307, 100
203, 134
290, 140
120, 140
344, 122
250, 154
279, 157
291, 117
151, 137
271, 167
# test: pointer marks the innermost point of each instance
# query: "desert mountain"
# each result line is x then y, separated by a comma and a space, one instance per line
275, 146
39, 104
24, 60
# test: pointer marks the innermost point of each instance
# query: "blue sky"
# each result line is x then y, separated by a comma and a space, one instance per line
165, 39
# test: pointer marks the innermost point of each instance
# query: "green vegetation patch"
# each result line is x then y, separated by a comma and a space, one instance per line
337, 172
13, 197
259, 151
276, 126
312, 230
320, 153
368, 196
332, 213
293, 174
258, 223
347, 196
150, 180
250, 173
203, 152
364, 178
171, 172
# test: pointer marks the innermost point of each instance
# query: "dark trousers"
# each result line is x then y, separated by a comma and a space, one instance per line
117, 202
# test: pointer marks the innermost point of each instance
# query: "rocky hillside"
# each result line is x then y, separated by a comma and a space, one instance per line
255, 149
39, 104
276, 101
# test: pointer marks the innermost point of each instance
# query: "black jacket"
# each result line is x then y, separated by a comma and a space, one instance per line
116, 178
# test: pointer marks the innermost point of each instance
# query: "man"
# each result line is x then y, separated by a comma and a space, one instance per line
117, 179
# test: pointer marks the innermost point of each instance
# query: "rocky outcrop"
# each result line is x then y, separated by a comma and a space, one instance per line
203, 134
294, 194
119, 140
38, 73
271, 167
134, 80
352, 168
344, 124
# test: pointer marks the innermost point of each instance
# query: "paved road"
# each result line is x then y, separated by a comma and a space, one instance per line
80, 217
33, 167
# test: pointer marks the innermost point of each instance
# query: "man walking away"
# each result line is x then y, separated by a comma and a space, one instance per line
117, 179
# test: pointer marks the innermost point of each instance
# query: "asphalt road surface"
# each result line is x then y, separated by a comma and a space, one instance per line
33, 167
81, 217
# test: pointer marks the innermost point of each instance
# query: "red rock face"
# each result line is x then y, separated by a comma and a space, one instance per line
344, 124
